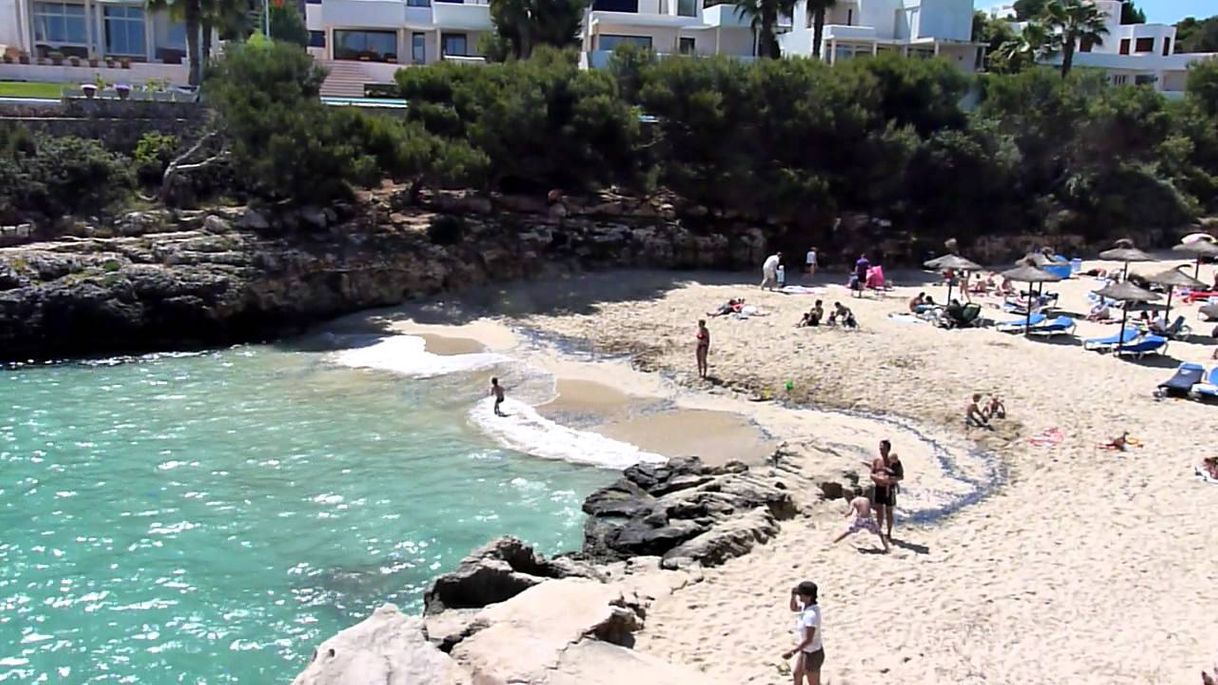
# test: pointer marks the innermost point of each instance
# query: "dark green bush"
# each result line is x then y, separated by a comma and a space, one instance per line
154, 152
446, 229
44, 177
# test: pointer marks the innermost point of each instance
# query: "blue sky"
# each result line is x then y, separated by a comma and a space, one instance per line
1160, 11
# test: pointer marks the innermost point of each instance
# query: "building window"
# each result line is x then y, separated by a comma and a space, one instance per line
687, 8
313, 2
366, 46
616, 6
455, 44
317, 39
1120, 79
1124, 46
1144, 79
418, 3
1166, 46
609, 42
124, 31
850, 17
1144, 45
685, 46
418, 48
58, 23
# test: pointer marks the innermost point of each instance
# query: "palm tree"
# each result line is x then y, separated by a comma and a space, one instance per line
1032, 43
229, 18
818, 9
1075, 22
763, 15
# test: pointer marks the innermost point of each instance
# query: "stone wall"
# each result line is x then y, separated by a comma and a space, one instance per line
118, 124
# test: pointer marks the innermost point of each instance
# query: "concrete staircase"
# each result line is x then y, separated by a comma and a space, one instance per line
347, 79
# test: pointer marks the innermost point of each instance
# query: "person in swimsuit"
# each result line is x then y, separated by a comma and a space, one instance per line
885, 476
995, 409
860, 508
497, 391
808, 643
703, 348
973, 416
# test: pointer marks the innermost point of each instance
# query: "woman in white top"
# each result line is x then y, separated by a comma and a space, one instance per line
808, 645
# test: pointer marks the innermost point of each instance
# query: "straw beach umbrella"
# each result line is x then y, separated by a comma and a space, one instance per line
1172, 279
1198, 249
1029, 274
1126, 252
953, 262
1125, 292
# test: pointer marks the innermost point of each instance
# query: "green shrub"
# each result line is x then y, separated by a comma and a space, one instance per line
446, 229
154, 152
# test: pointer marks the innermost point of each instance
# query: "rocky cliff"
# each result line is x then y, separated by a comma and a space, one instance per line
156, 280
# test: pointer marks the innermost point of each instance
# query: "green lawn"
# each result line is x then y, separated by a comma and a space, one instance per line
31, 89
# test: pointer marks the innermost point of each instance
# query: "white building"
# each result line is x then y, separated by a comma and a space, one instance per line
1137, 53
913, 28
1130, 53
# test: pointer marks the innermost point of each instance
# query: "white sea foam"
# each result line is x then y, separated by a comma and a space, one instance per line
524, 430
406, 355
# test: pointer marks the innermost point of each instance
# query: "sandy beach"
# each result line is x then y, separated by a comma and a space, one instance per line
1013, 562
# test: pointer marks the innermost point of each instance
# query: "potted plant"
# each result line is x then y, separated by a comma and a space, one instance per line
111, 62
123, 90
74, 61
56, 58
124, 63
42, 61
23, 58
8, 59
89, 89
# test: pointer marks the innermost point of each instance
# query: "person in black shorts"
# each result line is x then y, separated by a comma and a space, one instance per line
886, 473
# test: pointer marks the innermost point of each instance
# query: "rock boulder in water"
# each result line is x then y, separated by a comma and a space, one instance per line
496, 572
387, 648
685, 512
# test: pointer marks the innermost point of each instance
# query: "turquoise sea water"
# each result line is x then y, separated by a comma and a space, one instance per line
210, 518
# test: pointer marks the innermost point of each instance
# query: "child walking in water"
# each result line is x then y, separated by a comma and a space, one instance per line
497, 391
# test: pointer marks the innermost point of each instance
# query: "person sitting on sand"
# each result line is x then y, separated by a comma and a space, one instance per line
813, 316
842, 313
917, 301
703, 348
860, 508
973, 416
808, 643
1100, 312
1210, 466
995, 409
497, 391
732, 306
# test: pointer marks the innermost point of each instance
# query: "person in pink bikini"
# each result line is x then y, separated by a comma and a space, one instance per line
703, 337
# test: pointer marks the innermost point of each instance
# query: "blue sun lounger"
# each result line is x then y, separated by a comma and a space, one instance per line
1105, 344
1207, 389
1017, 325
1062, 325
1150, 344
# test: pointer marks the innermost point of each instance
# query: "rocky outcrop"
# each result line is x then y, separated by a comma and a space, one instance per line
497, 572
684, 512
157, 281
387, 648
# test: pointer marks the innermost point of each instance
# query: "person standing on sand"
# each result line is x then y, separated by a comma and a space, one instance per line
769, 271
860, 508
811, 262
497, 391
885, 477
896, 474
703, 348
809, 645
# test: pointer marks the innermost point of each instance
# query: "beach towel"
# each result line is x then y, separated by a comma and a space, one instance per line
1048, 438
906, 318
801, 290
1201, 475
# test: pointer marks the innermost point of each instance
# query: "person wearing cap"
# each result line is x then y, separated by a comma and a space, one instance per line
809, 647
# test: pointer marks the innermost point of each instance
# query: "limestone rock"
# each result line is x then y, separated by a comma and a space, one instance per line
253, 220
216, 224
590, 662
684, 510
387, 648
496, 572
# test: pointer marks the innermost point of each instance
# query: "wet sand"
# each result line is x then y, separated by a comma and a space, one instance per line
449, 345
715, 436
